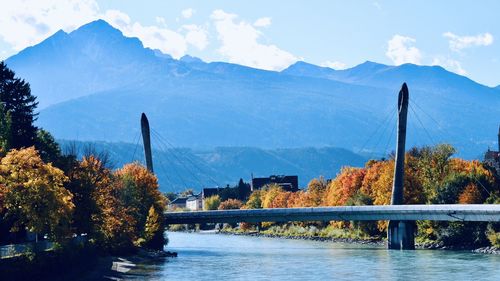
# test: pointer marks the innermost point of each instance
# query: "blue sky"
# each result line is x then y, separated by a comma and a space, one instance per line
462, 36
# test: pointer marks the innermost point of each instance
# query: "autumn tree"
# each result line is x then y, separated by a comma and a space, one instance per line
140, 193
212, 202
254, 201
116, 227
344, 186
230, 204
86, 178
316, 192
153, 230
33, 194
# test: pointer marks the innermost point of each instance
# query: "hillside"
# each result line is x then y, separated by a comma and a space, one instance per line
93, 84
178, 168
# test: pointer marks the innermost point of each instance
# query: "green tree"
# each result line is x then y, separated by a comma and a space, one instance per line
48, 147
5, 133
17, 100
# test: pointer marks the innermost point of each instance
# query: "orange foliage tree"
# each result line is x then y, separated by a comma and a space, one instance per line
230, 204
344, 186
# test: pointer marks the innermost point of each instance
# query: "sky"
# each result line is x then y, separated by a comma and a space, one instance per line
461, 36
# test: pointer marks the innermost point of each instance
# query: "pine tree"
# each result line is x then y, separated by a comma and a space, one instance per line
17, 100
4, 130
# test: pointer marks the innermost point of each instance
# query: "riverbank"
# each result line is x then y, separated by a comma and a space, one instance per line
367, 241
76, 263
311, 238
122, 267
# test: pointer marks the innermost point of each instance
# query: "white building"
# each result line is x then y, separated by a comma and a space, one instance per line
194, 203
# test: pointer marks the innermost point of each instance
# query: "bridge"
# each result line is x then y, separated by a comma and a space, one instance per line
401, 228
455, 212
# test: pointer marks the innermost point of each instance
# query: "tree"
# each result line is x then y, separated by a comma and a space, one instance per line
254, 201
34, 195
116, 229
230, 204
86, 179
268, 195
153, 231
5, 134
316, 191
140, 192
49, 149
344, 186
211, 203
17, 100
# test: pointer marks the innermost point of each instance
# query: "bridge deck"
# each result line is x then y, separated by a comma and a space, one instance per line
454, 212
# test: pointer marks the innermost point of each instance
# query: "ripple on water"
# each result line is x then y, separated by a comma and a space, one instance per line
226, 257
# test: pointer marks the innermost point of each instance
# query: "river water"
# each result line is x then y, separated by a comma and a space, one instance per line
226, 257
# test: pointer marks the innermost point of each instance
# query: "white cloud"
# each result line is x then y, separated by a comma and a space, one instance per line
458, 43
196, 36
27, 22
334, 64
400, 50
262, 22
187, 13
449, 64
240, 44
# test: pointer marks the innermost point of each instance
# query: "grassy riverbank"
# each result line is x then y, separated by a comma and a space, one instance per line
331, 233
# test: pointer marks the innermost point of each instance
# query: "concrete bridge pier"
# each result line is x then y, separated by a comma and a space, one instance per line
401, 234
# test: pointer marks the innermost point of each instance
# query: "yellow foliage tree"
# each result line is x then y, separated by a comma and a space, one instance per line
154, 230
34, 195
269, 194
211, 203
316, 192
139, 193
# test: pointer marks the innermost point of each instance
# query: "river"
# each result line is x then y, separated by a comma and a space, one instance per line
226, 257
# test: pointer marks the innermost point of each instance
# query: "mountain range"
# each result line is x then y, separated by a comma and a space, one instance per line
93, 83
181, 168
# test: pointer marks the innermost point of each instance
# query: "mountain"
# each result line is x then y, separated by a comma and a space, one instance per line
96, 57
94, 83
178, 168
422, 78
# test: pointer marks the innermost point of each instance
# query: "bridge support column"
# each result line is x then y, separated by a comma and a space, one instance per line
401, 235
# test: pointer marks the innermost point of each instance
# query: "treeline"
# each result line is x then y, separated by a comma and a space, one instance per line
55, 195
432, 176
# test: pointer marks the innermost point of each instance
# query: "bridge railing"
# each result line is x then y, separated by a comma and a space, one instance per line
455, 212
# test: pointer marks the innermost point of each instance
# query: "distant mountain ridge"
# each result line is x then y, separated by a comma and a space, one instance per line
180, 168
93, 83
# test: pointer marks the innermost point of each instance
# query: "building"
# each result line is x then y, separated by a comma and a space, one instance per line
194, 202
492, 158
209, 191
288, 183
177, 203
